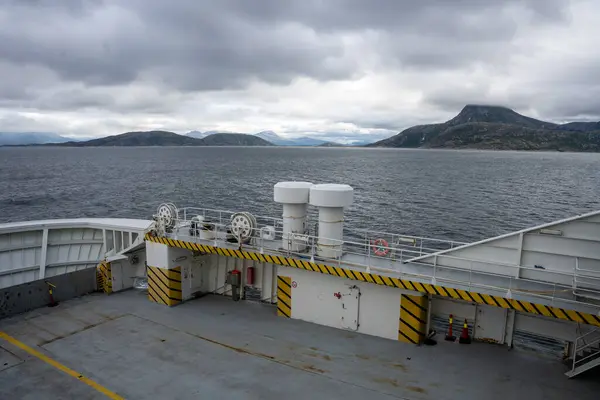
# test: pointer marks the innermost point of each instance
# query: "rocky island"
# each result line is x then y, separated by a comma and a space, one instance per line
166, 138
498, 128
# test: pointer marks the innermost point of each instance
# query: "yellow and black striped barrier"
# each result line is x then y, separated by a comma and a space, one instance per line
413, 318
284, 296
442, 291
104, 277
164, 285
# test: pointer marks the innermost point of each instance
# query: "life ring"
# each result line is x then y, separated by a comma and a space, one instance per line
380, 247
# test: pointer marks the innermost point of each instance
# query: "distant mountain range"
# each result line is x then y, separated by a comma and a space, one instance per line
18, 138
498, 128
269, 136
166, 138
198, 134
280, 141
476, 127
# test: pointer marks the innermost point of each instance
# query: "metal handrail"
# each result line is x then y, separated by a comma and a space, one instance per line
363, 249
501, 264
406, 250
588, 333
279, 222
577, 349
593, 342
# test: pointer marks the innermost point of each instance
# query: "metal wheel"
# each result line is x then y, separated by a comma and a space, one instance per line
242, 225
167, 214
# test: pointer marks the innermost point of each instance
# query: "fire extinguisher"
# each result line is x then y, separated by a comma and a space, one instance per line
51, 287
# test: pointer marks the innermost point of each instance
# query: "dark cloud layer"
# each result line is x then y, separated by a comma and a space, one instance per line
70, 54
211, 45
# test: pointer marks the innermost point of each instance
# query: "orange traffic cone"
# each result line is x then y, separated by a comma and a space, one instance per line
449, 336
464, 336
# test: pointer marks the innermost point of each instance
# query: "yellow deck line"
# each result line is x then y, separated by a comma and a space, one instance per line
61, 367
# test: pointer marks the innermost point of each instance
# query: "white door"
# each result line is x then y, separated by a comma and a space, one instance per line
490, 323
116, 271
195, 276
350, 307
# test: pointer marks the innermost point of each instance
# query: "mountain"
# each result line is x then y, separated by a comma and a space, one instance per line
308, 141
580, 126
141, 138
234, 139
198, 134
332, 144
166, 138
497, 128
280, 141
495, 114
272, 137
357, 143
22, 138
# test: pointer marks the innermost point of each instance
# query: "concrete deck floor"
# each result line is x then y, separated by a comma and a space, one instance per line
215, 348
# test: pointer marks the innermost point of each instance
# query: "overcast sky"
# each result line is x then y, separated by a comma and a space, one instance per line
347, 67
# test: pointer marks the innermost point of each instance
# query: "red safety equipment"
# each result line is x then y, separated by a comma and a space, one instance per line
380, 247
52, 303
250, 276
464, 336
450, 337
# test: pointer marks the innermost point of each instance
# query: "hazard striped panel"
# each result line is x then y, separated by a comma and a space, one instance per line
104, 277
284, 296
442, 291
99, 280
164, 285
413, 318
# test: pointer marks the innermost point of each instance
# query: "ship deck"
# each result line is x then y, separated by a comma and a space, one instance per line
213, 347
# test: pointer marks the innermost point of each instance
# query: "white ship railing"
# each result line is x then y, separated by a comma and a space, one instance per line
419, 245
357, 253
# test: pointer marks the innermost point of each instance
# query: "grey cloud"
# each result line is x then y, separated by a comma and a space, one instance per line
571, 103
393, 121
349, 137
211, 45
18, 123
436, 17
391, 124
71, 54
189, 45
454, 95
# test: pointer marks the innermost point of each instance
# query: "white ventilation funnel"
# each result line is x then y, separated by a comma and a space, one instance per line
331, 200
294, 198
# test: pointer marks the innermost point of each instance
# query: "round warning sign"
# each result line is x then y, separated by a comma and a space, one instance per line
294, 284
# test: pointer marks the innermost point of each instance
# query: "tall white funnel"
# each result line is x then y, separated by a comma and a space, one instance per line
294, 198
331, 200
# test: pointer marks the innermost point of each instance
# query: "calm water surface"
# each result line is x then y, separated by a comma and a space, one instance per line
461, 195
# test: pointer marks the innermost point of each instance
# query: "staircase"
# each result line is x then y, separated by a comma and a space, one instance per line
586, 353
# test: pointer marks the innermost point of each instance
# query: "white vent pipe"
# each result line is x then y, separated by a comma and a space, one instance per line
331, 200
294, 197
